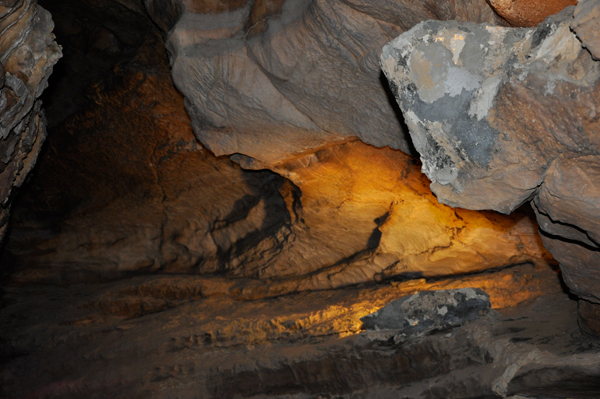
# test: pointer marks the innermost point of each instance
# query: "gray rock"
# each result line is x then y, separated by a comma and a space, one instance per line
430, 311
501, 116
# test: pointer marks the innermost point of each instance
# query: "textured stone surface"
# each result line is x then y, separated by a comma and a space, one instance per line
501, 116
27, 55
303, 77
585, 25
125, 189
341, 223
170, 336
429, 311
526, 13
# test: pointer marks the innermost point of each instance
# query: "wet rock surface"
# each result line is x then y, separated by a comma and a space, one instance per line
27, 54
501, 116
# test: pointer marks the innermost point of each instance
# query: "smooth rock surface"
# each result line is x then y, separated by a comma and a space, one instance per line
501, 116
27, 54
527, 13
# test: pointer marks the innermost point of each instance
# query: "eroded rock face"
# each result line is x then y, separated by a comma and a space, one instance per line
170, 336
501, 116
303, 76
127, 190
27, 55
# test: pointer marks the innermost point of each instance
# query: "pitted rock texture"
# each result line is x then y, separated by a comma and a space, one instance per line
528, 13
271, 80
27, 54
429, 311
501, 116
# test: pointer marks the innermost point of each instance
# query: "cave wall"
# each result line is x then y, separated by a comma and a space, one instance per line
505, 116
27, 54
125, 189
139, 264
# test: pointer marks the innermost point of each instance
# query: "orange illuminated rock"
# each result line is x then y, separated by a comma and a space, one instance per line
526, 13
365, 213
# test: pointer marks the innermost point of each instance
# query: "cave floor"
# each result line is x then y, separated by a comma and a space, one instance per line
173, 336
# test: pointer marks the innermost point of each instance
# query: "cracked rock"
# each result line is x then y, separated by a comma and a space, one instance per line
501, 116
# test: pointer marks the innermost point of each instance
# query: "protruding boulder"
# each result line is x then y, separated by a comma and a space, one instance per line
273, 80
501, 116
429, 311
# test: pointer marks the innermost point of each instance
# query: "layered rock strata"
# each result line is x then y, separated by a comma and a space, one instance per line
169, 336
27, 54
502, 116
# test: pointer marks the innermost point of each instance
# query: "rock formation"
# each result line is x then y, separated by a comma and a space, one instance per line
27, 54
502, 116
528, 13
168, 336
139, 265
127, 190
428, 312
309, 72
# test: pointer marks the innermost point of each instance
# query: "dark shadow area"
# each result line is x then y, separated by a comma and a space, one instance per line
398, 112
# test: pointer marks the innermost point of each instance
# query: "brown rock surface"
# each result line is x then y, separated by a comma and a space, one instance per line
524, 127
126, 190
526, 13
589, 317
167, 336
27, 55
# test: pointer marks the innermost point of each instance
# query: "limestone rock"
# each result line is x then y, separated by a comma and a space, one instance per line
501, 116
589, 317
526, 13
429, 311
27, 55
585, 26
302, 77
